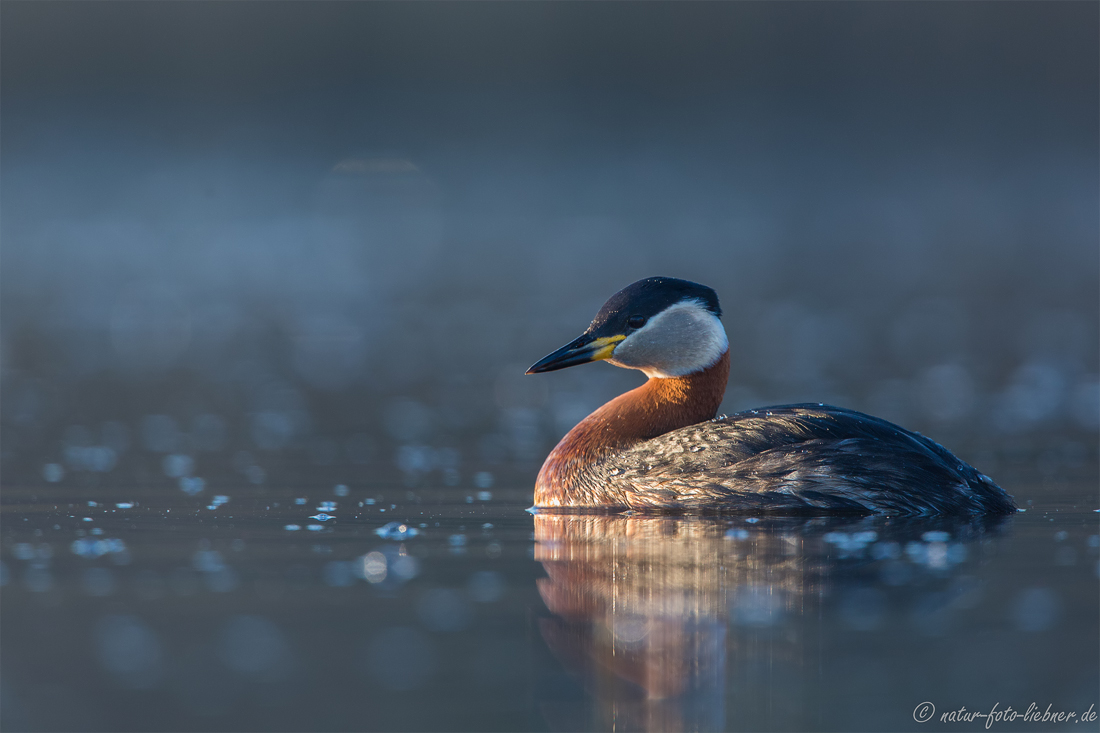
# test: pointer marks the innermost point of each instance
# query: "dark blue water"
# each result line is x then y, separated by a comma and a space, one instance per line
443, 610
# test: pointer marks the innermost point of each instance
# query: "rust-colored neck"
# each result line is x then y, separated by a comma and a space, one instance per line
657, 407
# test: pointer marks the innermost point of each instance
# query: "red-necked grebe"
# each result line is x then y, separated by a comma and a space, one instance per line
660, 446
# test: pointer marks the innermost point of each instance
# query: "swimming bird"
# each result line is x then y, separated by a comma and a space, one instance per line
660, 446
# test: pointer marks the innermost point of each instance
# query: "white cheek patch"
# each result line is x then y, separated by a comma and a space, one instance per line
681, 339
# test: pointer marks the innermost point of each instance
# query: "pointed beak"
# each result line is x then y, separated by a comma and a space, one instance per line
579, 351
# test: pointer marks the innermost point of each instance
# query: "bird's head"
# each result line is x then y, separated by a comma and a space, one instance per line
661, 325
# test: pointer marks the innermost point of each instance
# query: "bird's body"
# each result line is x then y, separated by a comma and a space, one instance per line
660, 446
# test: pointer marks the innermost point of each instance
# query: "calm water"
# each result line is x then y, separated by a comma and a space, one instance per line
446, 609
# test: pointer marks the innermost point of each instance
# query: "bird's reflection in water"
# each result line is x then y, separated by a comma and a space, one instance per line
651, 612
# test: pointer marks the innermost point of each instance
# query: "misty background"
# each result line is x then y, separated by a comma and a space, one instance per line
257, 243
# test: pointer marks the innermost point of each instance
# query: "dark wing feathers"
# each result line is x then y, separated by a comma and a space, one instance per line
802, 459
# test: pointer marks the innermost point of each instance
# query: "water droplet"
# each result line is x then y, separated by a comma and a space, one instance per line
373, 567
396, 531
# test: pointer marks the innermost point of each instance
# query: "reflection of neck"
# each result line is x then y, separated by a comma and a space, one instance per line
657, 407
638, 604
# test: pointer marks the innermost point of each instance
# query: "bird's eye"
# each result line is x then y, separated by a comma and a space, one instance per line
636, 321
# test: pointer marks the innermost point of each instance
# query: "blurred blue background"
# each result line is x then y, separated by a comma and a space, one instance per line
287, 242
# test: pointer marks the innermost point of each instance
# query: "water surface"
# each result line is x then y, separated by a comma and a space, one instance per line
444, 609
